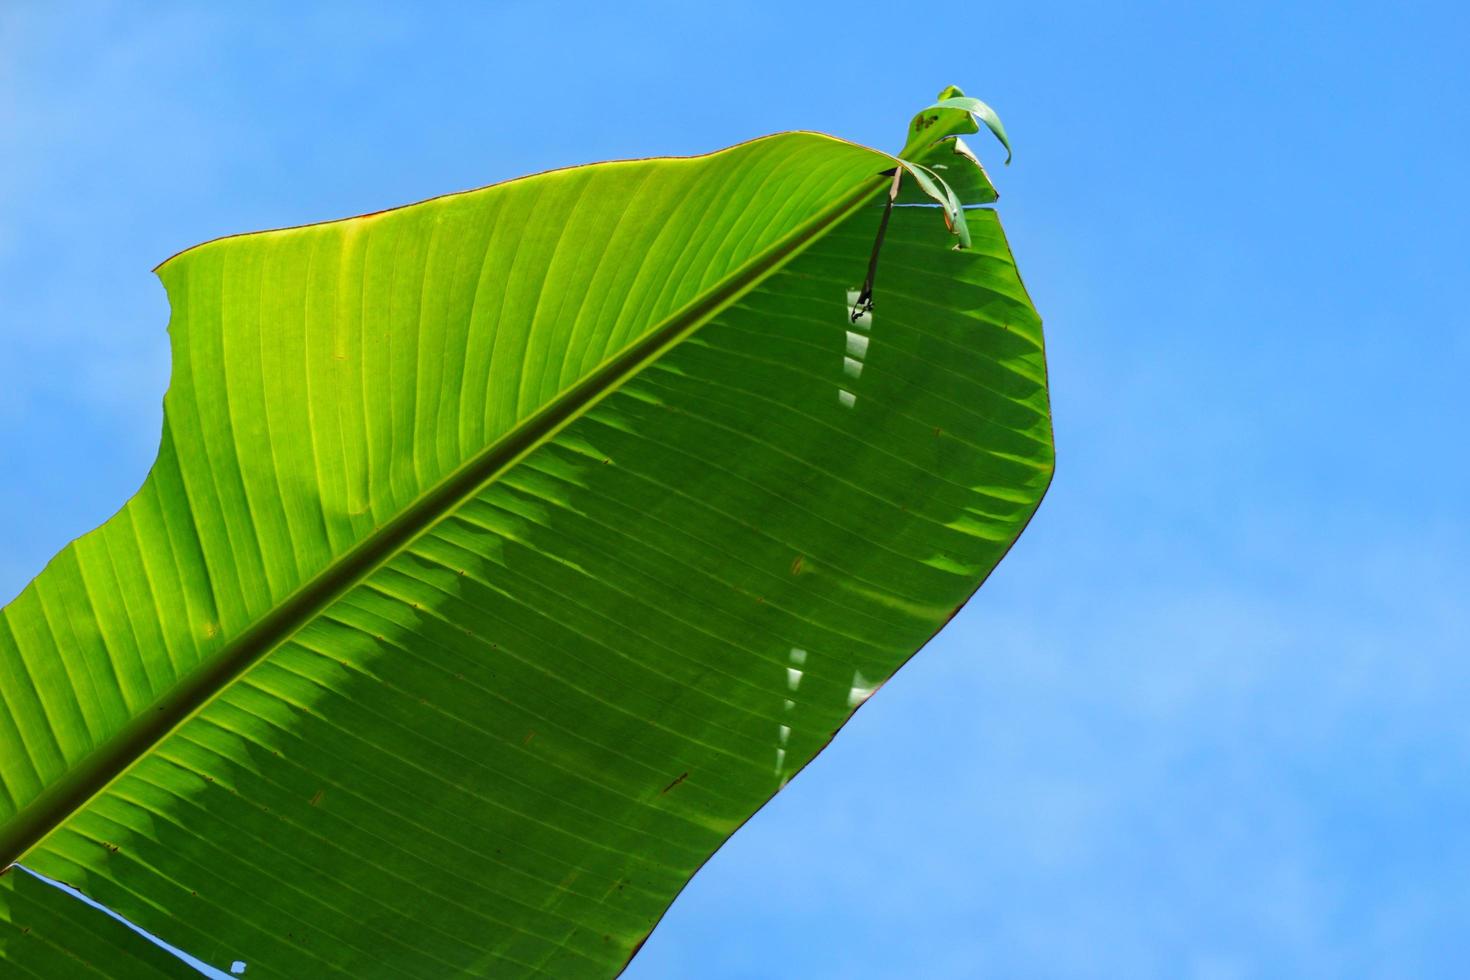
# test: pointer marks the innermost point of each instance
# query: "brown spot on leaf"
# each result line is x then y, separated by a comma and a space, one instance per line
636, 947
317, 797
796, 565
677, 780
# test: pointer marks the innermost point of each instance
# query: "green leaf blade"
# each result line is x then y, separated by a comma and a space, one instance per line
586, 604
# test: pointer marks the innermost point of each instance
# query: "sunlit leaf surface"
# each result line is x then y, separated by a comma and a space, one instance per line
503, 554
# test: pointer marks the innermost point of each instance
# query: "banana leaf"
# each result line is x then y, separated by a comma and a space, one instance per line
503, 554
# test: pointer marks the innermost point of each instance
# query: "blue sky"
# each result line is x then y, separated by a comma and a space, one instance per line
1209, 718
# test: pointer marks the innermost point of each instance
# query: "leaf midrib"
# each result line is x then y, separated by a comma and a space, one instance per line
98, 770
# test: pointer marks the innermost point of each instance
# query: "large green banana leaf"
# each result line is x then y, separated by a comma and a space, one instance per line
505, 552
